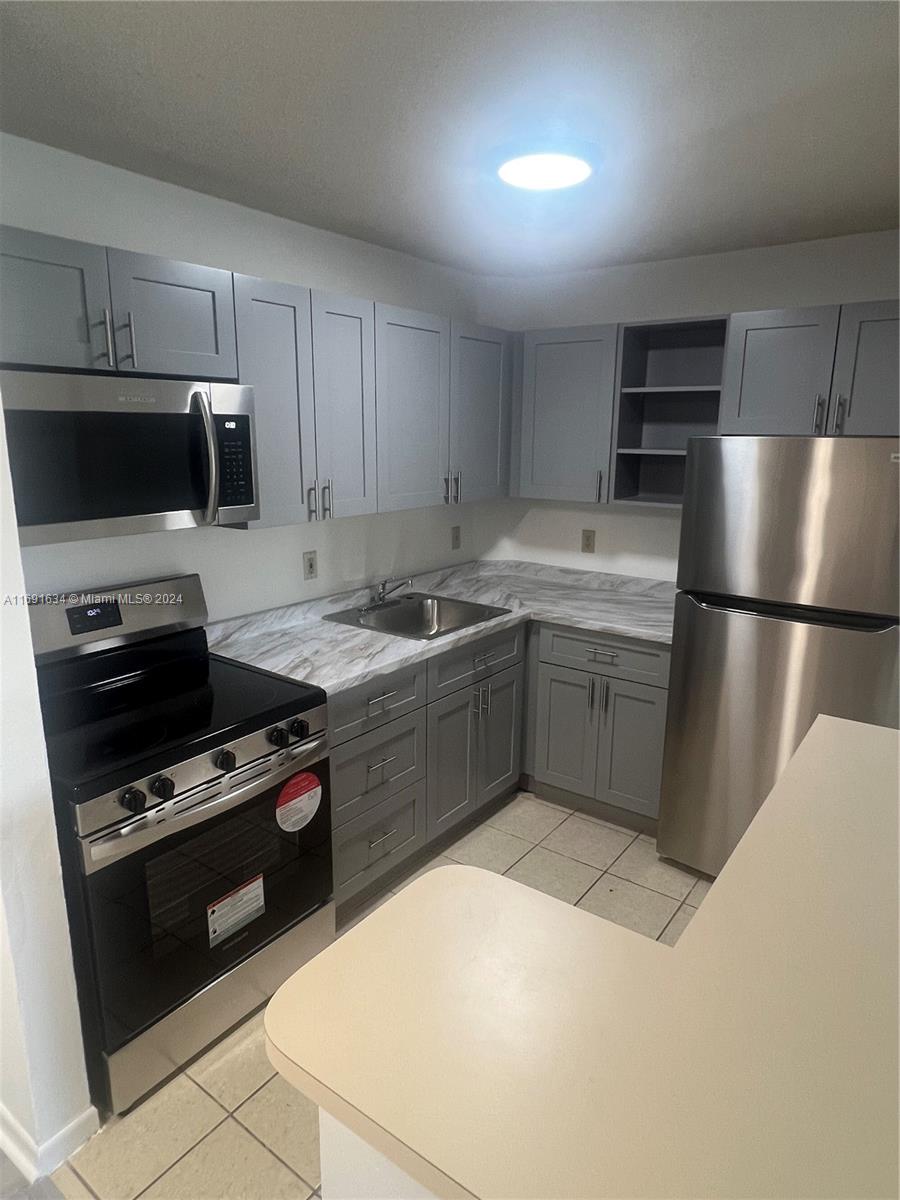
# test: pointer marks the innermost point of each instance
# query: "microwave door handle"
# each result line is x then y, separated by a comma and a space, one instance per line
211, 514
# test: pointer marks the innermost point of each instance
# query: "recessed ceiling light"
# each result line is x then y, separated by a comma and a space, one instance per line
544, 172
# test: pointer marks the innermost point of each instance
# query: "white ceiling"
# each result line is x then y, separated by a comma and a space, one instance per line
717, 125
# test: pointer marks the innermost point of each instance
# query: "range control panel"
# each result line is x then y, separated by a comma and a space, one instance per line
236, 460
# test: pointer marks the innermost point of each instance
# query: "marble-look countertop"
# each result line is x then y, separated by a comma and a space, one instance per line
295, 641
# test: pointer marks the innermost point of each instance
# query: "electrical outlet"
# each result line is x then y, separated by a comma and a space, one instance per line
310, 564
587, 541
455, 537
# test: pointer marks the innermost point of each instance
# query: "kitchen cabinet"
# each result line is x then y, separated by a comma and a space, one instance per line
54, 297
370, 705
368, 769
865, 386
413, 408
172, 318
343, 337
499, 753
275, 359
632, 727
371, 844
568, 387
474, 661
452, 748
480, 411
566, 738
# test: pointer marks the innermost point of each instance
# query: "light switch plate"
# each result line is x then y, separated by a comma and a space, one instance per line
455, 537
587, 541
310, 564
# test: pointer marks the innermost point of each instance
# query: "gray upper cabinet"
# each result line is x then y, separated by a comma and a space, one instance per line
172, 318
630, 753
480, 409
568, 385
500, 734
412, 355
452, 759
54, 301
777, 372
343, 331
275, 359
567, 731
866, 384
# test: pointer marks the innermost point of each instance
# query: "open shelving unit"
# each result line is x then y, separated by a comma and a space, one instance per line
669, 381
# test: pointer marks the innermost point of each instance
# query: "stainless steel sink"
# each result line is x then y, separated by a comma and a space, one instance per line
417, 615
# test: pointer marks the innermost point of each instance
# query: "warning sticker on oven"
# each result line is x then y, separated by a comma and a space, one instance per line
298, 801
232, 912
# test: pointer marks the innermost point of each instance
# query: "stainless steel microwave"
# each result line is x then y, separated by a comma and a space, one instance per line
97, 456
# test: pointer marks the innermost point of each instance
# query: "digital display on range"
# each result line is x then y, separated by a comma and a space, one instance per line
88, 617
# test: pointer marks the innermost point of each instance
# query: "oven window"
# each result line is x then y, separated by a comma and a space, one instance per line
85, 466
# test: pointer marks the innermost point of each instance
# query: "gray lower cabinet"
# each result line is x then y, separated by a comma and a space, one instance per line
866, 383
54, 297
413, 407
480, 410
452, 762
275, 359
632, 729
475, 661
373, 843
499, 735
566, 738
172, 318
370, 705
568, 387
368, 769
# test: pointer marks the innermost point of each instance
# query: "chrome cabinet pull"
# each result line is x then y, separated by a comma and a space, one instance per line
477, 703
817, 412
108, 330
384, 837
132, 340
599, 487
612, 655
312, 501
211, 515
328, 510
384, 762
383, 696
837, 425
457, 485
483, 659
490, 691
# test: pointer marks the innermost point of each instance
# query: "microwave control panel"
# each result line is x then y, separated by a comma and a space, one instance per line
235, 460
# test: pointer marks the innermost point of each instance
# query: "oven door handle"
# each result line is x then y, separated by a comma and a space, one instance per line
211, 515
137, 835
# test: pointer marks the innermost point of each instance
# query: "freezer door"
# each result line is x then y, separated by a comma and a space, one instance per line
744, 690
793, 520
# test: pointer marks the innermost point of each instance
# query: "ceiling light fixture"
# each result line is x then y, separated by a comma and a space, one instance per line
544, 172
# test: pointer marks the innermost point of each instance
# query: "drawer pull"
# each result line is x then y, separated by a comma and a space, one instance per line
383, 696
384, 837
383, 763
484, 659
612, 655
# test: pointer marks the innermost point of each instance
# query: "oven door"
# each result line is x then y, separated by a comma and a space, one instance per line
92, 456
174, 906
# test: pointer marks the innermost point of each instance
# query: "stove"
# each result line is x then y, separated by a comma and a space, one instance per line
192, 798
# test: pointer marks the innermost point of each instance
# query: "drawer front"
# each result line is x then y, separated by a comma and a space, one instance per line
369, 769
371, 844
475, 661
373, 704
618, 657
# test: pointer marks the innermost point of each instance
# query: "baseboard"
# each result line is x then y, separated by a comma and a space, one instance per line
593, 808
33, 1160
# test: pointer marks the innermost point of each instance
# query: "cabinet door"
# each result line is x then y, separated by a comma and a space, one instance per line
480, 403
172, 318
452, 763
568, 383
632, 731
54, 297
344, 380
412, 383
777, 372
567, 729
275, 359
866, 383
500, 734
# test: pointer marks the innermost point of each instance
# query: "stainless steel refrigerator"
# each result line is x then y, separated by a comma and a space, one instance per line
787, 607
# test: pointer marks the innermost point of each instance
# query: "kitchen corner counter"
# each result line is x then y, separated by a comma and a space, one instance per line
295, 641
490, 1041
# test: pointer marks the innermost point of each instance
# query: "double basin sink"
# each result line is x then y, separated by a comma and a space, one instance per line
417, 615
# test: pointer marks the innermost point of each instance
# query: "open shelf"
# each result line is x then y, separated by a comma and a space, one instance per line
650, 450
660, 391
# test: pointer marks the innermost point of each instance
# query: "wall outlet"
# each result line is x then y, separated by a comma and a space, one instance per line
587, 541
310, 564
455, 537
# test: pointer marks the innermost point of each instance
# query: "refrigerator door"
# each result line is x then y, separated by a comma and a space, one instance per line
793, 520
743, 691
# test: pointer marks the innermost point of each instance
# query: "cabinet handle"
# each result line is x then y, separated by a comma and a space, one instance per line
383, 696
837, 425
446, 489
612, 655
605, 697
599, 487
132, 340
384, 762
328, 510
817, 412
591, 694
489, 690
477, 702
384, 837
483, 659
457, 485
108, 330
312, 501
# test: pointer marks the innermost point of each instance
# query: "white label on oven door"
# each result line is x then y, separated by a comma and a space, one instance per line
298, 801
235, 910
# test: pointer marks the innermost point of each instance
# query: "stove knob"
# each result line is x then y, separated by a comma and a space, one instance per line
163, 786
134, 800
278, 737
225, 761
299, 729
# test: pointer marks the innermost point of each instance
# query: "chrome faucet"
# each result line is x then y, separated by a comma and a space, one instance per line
385, 588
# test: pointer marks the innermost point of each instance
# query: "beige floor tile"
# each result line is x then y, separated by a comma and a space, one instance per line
128, 1154
228, 1165
489, 848
677, 925
627, 904
586, 816
563, 808
440, 860
698, 892
527, 817
237, 1066
641, 864
588, 841
288, 1123
554, 874
69, 1185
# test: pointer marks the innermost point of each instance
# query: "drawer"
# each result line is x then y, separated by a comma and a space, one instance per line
371, 705
371, 844
474, 661
605, 654
369, 769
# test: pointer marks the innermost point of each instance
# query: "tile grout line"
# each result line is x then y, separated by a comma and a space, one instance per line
671, 919
80, 1177
295, 1173
187, 1152
231, 1111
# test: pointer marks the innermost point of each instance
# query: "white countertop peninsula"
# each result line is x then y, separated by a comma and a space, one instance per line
473, 1037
